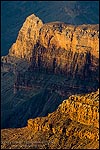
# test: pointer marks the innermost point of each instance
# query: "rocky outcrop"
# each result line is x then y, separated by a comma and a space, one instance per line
59, 47
27, 37
81, 108
77, 116
80, 39
74, 125
84, 109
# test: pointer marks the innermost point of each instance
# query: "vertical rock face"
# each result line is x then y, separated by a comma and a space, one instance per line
67, 49
26, 38
80, 39
61, 61
58, 47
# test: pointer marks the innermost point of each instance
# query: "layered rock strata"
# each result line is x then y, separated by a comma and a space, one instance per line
43, 51
81, 108
74, 125
59, 47
27, 37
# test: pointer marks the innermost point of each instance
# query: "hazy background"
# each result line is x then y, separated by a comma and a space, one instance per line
13, 14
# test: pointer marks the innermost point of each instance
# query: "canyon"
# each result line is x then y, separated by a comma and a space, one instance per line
52, 68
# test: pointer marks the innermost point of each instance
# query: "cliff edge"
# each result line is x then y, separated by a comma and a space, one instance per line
74, 125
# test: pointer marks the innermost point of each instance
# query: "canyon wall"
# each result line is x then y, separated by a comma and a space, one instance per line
83, 109
80, 38
59, 47
74, 125
56, 48
67, 49
53, 48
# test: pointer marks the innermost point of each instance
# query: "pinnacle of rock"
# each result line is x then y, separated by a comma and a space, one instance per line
27, 37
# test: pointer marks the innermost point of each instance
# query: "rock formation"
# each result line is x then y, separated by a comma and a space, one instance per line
81, 108
27, 37
47, 64
72, 50
58, 47
80, 38
55, 60
74, 125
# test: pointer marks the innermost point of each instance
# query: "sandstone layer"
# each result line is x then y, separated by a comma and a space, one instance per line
67, 49
81, 108
80, 38
74, 125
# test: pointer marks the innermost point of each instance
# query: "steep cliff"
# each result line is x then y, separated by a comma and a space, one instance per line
27, 37
69, 50
59, 47
74, 125
80, 38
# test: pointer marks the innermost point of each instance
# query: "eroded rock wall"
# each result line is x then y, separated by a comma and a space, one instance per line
58, 47
67, 49
83, 109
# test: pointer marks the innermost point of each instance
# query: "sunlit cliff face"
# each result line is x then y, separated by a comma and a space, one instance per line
80, 39
74, 125
67, 49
